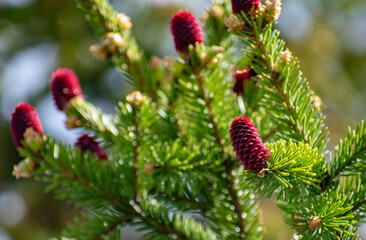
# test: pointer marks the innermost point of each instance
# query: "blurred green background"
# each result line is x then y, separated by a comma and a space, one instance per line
38, 36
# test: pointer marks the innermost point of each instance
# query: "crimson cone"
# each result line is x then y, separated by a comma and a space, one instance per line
64, 87
185, 30
244, 5
23, 117
87, 143
247, 144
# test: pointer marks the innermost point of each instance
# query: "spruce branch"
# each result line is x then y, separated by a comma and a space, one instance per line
213, 19
170, 168
223, 152
235, 199
100, 223
350, 154
211, 114
174, 170
160, 227
122, 48
224, 211
139, 121
69, 98
296, 168
360, 205
287, 98
201, 79
64, 169
67, 170
82, 114
326, 216
100, 13
111, 227
67, 174
295, 110
131, 58
354, 189
136, 147
203, 86
172, 223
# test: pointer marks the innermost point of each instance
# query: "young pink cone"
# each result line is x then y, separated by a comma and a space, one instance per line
185, 30
244, 5
240, 78
24, 117
87, 143
64, 87
247, 144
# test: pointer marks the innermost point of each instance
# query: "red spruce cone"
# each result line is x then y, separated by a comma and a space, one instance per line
241, 77
185, 30
247, 144
64, 87
23, 117
244, 5
87, 143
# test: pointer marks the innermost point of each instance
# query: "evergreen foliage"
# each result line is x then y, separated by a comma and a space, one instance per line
350, 154
171, 170
293, 167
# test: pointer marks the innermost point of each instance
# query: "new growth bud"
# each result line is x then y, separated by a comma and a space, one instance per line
252, 153
112, 42
136, 98
314, 223
233, 23
72, 122
317, 102
272, 10
124, 21
285, 56
168, 62
155, 62
149, 168
244, 5
87, 143
64, 87
24, 168
185, 30
216, 11
25, 124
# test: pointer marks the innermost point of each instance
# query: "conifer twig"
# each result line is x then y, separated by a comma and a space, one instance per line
132, 60
165, 229
357, 205
348, 162
81, 181
326, 183
112, 226
136, 147
282, 79
131, 213
223, 152
274, 78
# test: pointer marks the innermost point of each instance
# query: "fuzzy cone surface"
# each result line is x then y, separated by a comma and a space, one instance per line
185, 30
23, 117
247, 144
64, 87
87, 143
244, 5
